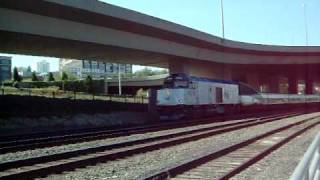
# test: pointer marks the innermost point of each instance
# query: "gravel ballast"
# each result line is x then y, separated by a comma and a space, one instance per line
90, 144
141, 165
281, 163
24, 125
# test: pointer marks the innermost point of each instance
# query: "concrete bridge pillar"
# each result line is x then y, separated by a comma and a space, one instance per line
311, 75
283, 84
253, 80
293, 84
273, 84
179, 66
309, 86
106, 87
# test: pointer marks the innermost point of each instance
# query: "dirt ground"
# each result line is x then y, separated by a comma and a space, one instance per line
16, 125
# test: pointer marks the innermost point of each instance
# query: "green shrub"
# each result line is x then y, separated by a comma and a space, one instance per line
34, 76
16, 76
89, 84
51, 78
79, 85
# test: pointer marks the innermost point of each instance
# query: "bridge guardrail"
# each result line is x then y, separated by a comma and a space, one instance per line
309, 166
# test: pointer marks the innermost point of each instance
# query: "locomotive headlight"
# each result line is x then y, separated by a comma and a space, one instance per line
179, 101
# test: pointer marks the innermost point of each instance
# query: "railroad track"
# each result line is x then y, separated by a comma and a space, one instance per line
232, 160
93, 131
36, 143
68, 161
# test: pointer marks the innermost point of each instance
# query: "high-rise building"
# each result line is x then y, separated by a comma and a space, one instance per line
43, 67
5, 68
82, 68
124, 68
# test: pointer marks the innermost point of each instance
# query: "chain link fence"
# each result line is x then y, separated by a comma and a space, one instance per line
56, 93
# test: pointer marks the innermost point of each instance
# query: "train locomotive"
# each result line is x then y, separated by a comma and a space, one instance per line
189, 96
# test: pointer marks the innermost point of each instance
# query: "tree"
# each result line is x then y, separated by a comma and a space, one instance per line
144, 72
28, 72
29, 69
51, 78
149, 72
64, 76
34, 76
16, 76
89, 84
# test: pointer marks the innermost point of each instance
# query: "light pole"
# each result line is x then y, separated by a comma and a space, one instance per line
222, 18
119, 79
304, 5
305, 22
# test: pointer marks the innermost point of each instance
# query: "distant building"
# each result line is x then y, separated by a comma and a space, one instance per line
5, 68
82, 68
25, 72
43, 67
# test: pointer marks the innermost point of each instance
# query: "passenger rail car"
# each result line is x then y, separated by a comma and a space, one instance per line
190, 96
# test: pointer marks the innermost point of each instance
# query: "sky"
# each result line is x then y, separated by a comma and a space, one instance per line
274, 22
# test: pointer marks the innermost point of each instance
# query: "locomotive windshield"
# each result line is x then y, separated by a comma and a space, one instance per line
176, 81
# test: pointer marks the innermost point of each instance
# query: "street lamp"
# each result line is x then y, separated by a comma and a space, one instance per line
305, 22
222, 18
304, 5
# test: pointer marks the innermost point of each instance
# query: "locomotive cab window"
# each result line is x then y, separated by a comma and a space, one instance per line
168, 82
176, 81
192, 85
181, 84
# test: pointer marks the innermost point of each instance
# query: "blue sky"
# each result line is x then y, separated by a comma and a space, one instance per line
277, 22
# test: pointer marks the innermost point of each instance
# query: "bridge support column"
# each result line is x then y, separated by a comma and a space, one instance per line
152, 105
179, 67
309, 86
106, 87
311, 74
273, 84
253, 80
293, 84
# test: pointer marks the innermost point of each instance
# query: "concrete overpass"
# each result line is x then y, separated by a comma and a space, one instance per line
132, 85
89, 29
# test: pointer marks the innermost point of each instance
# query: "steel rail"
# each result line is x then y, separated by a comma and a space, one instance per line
184, 167
104, 157
15, 146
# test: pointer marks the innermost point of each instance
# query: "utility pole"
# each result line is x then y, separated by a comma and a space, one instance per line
307, 75
222, 18
119, 79
305, 22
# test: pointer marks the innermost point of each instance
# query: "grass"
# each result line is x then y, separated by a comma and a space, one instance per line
54, 92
